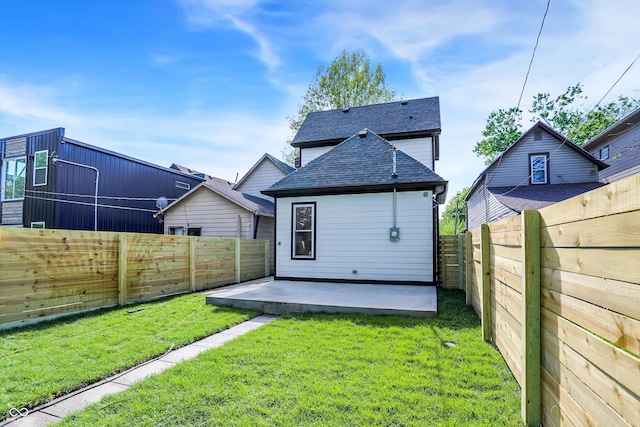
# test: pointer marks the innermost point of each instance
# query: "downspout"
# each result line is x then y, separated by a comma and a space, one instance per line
436, 239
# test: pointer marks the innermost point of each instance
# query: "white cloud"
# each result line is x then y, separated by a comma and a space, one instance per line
241, 14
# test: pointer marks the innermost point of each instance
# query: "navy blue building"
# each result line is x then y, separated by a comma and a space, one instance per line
51, 181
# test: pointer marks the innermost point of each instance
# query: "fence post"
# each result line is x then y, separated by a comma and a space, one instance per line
486, 282
460, 261
267, 266
531, 399
192, 263
469, 282
237, 260
122, 269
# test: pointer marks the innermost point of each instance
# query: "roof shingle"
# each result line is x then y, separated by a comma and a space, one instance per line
413, 116
358, 164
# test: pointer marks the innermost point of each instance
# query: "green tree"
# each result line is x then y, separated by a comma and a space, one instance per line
565, 113
349, 81
448, 216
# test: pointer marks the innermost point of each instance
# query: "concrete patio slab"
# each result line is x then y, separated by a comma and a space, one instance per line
284, 296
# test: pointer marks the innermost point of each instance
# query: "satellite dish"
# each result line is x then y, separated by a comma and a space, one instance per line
162, 203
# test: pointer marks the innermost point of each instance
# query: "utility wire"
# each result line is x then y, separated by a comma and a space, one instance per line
526, 77
581, 122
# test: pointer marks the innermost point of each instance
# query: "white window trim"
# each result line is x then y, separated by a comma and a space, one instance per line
37, 224
35, 168
607, 149
312, 252
533, 156
175, 228
183, 185
3, 178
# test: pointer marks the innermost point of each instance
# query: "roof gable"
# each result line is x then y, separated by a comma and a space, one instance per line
630, 120
266, 157
223, 188
416, 117
361, 163
528, 138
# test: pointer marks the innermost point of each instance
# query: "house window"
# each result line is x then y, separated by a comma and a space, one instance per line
183, 185
39, 224
13, 178
604, 153
41, 161
303, 231
176, 231
539, 168
194, 231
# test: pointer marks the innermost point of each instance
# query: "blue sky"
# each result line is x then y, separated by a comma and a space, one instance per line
209, 83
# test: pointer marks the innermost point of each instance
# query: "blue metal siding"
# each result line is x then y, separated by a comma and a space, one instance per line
121, 180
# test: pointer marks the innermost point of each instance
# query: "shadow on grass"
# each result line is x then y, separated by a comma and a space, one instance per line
453, 313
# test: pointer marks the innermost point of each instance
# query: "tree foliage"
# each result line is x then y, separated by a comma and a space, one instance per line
448, 216
566, 113
349, 81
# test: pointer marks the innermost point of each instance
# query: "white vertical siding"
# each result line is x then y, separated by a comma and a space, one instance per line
418, 148
308, 154
352, 233
217, 216
566, 166
263, 176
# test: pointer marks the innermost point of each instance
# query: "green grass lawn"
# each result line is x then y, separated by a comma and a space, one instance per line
331, 370
40, 362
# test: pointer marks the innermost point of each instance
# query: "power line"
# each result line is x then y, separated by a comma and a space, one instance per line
584, 118
92, 195
526, 77
90, 204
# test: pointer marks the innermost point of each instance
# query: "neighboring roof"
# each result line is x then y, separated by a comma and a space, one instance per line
561, 139
533, 197
362, 163
285, 168
65, 140
224, 188
628, 121
411, 118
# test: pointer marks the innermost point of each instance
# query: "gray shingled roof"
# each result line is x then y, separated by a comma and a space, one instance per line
533, 197
413, 116
357, 165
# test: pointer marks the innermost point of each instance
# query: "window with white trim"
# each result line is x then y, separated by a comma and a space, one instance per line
13, 178
183, 185
40, 163
539, 168
176, 231
604, 152
303, 231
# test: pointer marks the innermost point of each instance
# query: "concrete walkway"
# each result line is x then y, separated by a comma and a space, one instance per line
284, 296
63, 406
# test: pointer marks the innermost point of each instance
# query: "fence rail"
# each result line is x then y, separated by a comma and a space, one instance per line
558, 292
51, 272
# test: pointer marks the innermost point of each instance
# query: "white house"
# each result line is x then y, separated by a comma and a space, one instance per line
359, 212
541, 168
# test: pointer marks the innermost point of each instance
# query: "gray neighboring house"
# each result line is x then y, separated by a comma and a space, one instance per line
219, 208
345, 215
619, 147
541, 168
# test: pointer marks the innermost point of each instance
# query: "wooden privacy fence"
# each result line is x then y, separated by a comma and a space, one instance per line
558, 291
50, 272
453, 255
